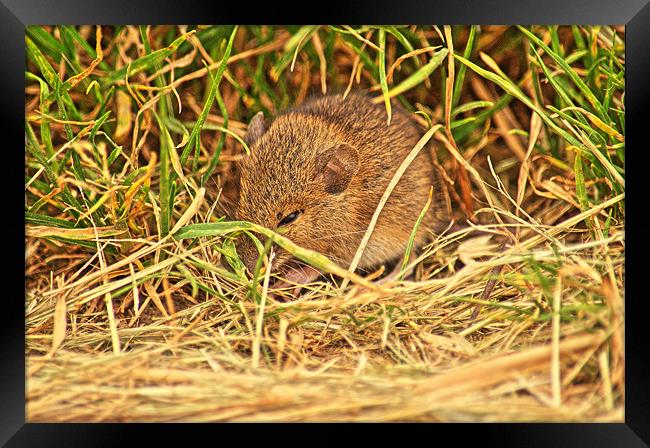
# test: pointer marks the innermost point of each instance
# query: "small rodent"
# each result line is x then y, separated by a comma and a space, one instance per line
319, 171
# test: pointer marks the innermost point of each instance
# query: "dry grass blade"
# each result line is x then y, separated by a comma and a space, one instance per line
389, 189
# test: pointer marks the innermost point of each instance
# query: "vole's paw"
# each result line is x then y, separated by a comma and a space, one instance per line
395, 272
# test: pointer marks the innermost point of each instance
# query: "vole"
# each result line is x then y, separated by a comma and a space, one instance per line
318, 172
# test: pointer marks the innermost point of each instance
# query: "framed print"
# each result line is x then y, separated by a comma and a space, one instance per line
414, 215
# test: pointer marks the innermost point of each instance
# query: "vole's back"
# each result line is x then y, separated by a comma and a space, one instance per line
383, 148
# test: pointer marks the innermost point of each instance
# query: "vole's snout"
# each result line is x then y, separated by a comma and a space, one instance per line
247, 252
249, 255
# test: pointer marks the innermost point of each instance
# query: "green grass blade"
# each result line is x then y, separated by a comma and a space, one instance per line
217, 153
382, 72
164, 105
46, 42
62, 97
402, 40
416, 226
471, 106
512, 89
45, 220
194, 140
581, 190
460, 75
164, 194
311, 257
559, 60
420, 75
46, 134
147, 61
292, 46
73, 34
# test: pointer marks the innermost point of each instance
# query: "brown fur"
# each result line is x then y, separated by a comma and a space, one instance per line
285, 173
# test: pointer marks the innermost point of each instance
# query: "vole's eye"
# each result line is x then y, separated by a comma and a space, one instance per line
291, 217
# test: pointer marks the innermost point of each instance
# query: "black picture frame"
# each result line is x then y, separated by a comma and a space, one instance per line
635, 14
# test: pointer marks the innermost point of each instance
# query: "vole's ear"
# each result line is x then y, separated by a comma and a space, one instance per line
256, 128
336, 166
